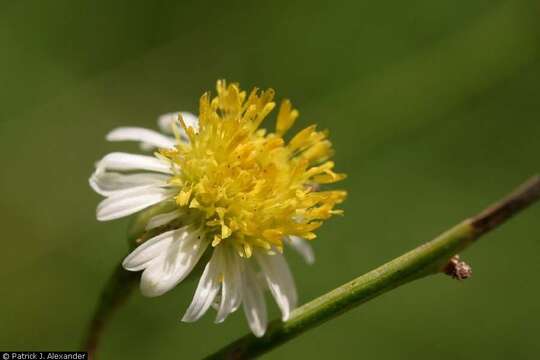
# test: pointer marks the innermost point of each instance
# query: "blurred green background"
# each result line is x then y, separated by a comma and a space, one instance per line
433, 108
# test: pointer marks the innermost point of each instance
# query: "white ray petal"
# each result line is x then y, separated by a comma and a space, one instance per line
230, 289
108, 183
253, 301
162, 219
176, 262
142, 135
207, 289
130, 201
303, 247
128, 162
146, 147
151, 249
166, 121
280, 281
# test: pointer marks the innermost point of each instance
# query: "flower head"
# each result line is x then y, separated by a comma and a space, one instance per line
231, 189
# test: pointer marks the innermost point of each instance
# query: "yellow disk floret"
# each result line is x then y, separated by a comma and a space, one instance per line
252, 188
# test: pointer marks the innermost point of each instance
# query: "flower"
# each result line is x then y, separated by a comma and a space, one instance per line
228, 189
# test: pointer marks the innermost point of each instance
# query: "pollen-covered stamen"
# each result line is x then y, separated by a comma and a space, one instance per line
252, 188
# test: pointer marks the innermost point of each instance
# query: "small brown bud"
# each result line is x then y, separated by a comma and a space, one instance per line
458, 269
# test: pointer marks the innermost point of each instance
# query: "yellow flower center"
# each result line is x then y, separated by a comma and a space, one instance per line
252, 188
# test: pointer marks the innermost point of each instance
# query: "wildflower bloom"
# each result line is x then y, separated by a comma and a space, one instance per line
231, 190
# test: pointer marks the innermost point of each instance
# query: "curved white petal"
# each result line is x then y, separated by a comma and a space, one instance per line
108, 183
142, 135
279, 280
128, 162
162, 219
303, 247
166, 121
253, 301
207, 289
151, 249
231, 297
146, 147
130, 201
176, 262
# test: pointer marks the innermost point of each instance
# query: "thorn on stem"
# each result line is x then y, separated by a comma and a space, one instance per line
458, 269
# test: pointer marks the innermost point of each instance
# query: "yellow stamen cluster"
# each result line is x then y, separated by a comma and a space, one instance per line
251, 187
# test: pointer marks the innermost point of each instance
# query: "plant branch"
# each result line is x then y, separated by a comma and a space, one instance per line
430, 258
116, 291
121, 283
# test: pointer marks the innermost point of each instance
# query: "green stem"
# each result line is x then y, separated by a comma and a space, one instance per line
116, 291
430, 258
121, 283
